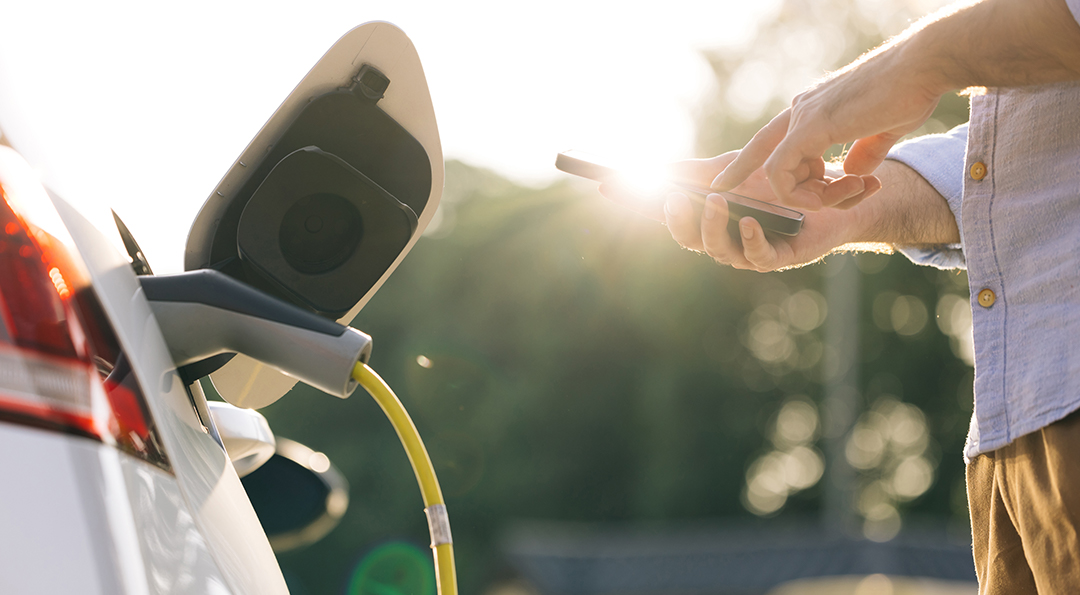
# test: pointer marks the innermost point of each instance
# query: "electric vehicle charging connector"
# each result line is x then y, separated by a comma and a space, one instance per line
206, 313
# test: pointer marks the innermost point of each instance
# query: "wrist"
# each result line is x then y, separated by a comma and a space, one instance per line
908, 211
934, 53
858, 224
865, 222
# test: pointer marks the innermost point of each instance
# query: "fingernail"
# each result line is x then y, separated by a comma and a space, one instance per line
747, 231
717, 183
675, 204
711, 204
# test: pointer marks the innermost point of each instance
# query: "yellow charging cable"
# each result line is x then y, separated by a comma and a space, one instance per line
442, 545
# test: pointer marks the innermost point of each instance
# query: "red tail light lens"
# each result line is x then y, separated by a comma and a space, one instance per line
61, 366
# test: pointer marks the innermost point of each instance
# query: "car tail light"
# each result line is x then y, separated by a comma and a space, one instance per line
61, 366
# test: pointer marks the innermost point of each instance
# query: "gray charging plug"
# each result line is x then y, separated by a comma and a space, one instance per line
205, 313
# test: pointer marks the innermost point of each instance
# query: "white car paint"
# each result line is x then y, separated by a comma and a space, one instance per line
209, 486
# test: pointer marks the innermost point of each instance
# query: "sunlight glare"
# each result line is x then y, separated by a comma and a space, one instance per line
160, 119
645, 180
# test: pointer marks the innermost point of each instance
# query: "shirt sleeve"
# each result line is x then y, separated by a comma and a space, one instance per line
939, 158
1074, 6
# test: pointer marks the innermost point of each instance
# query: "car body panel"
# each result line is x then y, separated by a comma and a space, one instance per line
57, 515
88, 518
79, 514
209, 486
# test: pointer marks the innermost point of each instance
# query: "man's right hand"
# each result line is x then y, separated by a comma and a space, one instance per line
891, 91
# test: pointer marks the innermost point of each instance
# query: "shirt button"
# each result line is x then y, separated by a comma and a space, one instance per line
978, 170
986, 298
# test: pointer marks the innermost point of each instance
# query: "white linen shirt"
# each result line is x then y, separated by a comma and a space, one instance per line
1015, 193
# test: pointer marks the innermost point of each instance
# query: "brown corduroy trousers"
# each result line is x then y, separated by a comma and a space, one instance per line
1024, 500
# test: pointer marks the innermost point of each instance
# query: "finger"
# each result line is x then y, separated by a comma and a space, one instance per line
790, 158
841, 189
817, 169
798, 149
756, 247
681, 221
700, 172
807, 195
810, 185
652, 208
872, 185
802, 172
754, 154
715, 238
866, 154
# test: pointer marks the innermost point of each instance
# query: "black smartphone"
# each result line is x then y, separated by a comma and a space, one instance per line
772, 217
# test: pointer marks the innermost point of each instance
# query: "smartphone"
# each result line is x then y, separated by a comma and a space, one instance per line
772, 217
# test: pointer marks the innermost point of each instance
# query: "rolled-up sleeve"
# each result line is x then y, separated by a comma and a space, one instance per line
939, 158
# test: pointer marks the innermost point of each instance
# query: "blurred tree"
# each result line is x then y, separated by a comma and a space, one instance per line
793, 48
798, 45
564, 360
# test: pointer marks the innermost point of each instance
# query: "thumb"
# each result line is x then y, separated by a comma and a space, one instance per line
866, 154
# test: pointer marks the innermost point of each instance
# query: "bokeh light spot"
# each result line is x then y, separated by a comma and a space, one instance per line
394, 569
796, 423
954, 319
875, 584
908, 315
806, 310
794, 465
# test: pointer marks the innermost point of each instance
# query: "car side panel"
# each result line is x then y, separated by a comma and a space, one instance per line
174, 552
207, 482
59, 528
79, 516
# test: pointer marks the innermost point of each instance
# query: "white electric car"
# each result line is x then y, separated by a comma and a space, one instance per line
115, 470
113, 481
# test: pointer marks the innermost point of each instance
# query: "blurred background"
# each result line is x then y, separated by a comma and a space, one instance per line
607, 412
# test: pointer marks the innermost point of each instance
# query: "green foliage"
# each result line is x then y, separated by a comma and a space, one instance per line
793, 49
564, 360
797, 46
394, 569
577, 370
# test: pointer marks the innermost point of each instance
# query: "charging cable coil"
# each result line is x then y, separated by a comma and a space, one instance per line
442, 545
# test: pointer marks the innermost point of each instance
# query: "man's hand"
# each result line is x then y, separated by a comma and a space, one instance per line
791, 146
708, 231
872, 102
908, 211
891, 91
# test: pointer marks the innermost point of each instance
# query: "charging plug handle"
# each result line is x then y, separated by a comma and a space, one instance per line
205, 313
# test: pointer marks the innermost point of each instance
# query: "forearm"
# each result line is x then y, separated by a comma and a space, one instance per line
995, 43
907, 211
